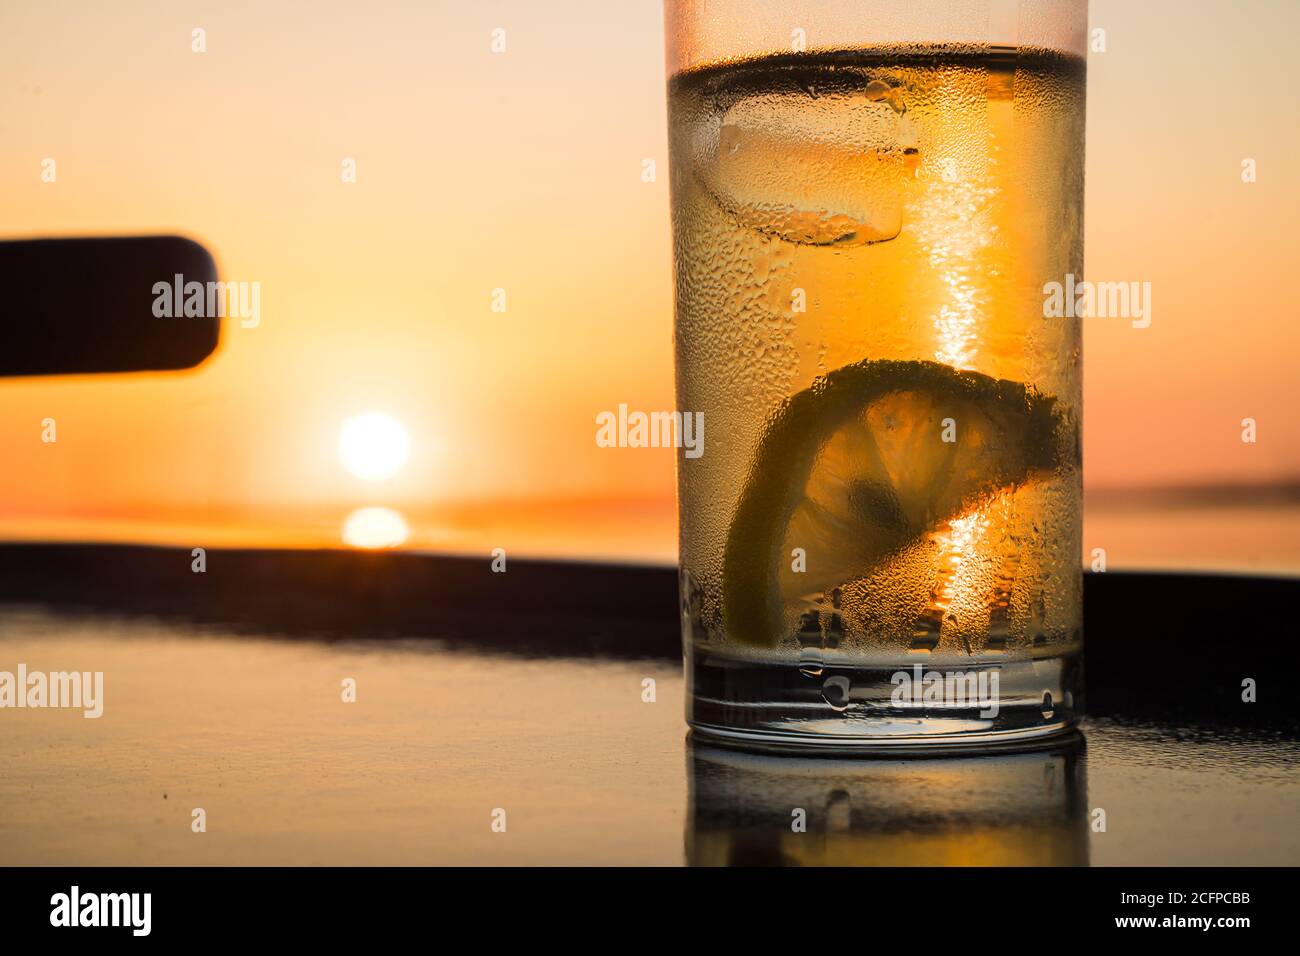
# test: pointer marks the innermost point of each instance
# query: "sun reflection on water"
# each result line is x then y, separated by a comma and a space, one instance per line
375, 528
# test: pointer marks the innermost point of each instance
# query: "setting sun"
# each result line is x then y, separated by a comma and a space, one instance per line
373, 446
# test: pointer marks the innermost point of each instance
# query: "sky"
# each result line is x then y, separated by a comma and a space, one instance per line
522, 171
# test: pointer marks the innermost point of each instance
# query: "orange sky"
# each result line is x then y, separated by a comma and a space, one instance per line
523, 171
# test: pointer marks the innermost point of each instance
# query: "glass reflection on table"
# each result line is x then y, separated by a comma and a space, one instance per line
1027, 808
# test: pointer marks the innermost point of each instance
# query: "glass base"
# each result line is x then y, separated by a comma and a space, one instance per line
912, 704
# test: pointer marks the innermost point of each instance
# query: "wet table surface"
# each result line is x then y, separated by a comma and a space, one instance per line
253, 729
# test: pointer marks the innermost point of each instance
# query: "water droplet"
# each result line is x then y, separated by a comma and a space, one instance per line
878, 90
1048, 709
835, 691
810, 662
810, 644
834, 630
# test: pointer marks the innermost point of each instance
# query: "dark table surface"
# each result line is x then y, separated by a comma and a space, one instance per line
525, 693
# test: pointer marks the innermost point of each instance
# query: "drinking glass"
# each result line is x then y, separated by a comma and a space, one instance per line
880, 543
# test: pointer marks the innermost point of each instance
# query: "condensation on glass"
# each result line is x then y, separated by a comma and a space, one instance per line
880, 544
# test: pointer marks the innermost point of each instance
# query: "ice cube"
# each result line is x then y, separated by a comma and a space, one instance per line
816, 163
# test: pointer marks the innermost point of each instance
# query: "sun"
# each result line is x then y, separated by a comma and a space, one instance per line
373, 446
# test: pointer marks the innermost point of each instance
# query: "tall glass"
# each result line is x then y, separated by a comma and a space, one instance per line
880, 543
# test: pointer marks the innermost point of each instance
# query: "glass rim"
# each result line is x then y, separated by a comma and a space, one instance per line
704, 33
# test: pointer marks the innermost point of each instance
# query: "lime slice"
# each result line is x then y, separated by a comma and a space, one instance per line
857, 467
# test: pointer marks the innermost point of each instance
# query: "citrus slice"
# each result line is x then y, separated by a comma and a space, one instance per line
865, 461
